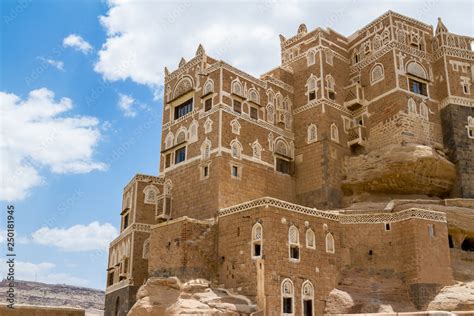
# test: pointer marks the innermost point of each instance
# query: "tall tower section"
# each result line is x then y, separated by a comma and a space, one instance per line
454, 64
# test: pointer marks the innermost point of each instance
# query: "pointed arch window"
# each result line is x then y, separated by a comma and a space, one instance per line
307, 297
254, 97
151, 193
355, 56
208, 126
208, 87
385, 36
235, 125
206, 149
424, 112
470, 127
287, 297
330, 83
311, 58
193, 132
237, 88
270, 113
257, 150
329, 57
236, 149
312, 134
294, 243
310, 239
377, 42
169, 140
329, 243
334, 133
312, 88
180, 137
257, 237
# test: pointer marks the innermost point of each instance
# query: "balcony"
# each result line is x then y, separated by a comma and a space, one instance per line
357, 135
354, 97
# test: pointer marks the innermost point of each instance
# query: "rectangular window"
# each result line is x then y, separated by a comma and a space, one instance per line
283, 166
308, 308
418, 87
254, 113
235, 171
167, 160
295, 252
237, 106
208, 104
183, 109
110, 279
125, 221
257, 250
387, 226
205, 172
180, 155
312, 95
167, 207
287, 305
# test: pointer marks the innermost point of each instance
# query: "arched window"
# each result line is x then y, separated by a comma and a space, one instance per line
411, 106
417, 70
270, 113
236, 149
278, 100
257, 237
310, 57
237, 87
377, 42
294, 243
355, 56
183, 86
330, 83
208, 126
312, 133
330, 243
311, 85
401, 36
181, 136
193, 131
310, 239
257, 150
254, 97
271, 96
146, 249
270, 141
385, 36
307, 297
208, 87
281, 148
334, 133
169, 140
376, 74
206, 149
151, 193
470, 121
235, 126
329, 56
424, 111
287, 297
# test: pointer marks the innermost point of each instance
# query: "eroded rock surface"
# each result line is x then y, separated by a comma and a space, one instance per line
169, 296
458, 297
397, 169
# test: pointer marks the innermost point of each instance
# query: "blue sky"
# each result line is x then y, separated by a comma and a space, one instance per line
81, 79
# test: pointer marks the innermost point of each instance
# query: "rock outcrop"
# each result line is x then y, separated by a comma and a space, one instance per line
169, 296
459, 297
399, 169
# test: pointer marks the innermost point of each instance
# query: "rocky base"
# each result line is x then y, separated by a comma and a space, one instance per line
399, 169
169, 296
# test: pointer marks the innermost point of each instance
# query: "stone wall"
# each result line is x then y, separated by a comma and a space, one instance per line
27, 310
119, 302
460, 147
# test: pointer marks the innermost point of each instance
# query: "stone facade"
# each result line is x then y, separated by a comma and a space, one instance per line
256, 174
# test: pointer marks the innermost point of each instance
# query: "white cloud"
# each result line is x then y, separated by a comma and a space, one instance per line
42, 272
36, 134
78, 43
145, 36
55, 63
126, 104
77, 238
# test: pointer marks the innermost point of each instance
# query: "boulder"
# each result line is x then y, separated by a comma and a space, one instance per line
339, 302
458, 297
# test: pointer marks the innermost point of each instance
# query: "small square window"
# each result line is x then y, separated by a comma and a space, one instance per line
254, 113
287, 305
418, 87
387, 226
237, 106
312, 95
282, 166
257, 250
125, 221
208, 104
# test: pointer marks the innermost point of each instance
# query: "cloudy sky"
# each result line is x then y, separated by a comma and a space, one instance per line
81, 79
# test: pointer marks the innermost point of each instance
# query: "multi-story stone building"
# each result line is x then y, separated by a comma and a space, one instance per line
258, 172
